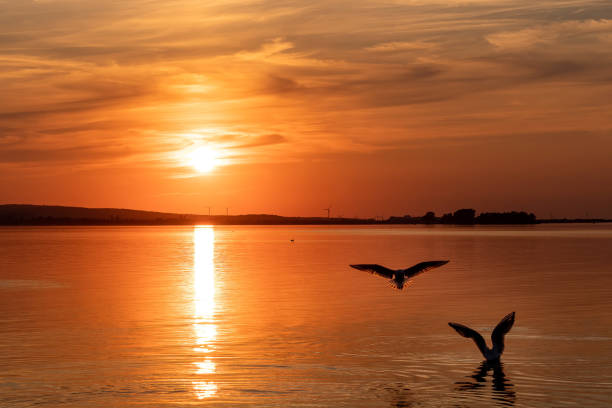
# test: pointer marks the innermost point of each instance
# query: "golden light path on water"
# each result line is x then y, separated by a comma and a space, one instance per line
204, 308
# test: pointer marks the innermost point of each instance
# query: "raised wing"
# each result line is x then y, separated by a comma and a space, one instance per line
422, 267
471, 334
503, 327
375, 269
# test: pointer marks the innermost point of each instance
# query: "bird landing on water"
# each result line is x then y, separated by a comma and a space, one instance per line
497, 337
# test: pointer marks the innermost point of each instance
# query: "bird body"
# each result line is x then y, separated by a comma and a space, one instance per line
399, 277
497, 337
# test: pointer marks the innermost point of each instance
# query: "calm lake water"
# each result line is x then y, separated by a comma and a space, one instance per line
242, 316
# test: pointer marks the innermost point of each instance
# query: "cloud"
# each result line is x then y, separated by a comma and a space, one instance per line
44, 155
263, 140
276, 52
581, 33
242, 140
277, 85
400, 46
267, 50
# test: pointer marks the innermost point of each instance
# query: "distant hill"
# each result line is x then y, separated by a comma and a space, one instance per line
30, 212
26, 214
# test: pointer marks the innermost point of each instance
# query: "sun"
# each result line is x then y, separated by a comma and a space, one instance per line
204, 159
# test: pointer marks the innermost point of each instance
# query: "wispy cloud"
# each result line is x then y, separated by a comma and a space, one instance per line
263, 140
562, 36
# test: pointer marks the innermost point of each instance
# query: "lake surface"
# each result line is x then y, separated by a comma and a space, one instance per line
242, 316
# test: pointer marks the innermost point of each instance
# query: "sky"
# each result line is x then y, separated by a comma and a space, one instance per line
374, 108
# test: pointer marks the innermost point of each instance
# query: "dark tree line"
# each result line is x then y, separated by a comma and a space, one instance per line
467, 216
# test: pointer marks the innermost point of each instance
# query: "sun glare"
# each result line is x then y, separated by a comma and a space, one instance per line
204, 159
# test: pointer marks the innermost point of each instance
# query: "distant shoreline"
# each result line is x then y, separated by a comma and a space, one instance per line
128, 223
42, 215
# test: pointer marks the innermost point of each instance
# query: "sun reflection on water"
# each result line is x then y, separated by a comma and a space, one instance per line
204, 307
205, 389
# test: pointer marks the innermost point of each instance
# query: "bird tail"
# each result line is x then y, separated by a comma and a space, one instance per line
395, 285
399, 285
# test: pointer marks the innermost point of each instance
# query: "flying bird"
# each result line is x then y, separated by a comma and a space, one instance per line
497, 337
399, 277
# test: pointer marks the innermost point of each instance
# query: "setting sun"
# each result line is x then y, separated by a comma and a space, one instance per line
204, 159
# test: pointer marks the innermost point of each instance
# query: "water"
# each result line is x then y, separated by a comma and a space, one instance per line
242, 316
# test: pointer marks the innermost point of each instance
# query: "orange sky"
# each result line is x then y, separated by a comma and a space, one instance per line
372, 107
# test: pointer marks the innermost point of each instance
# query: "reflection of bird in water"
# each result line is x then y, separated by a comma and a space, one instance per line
399, 277
497, 337
401, 397
398, 395
502, 387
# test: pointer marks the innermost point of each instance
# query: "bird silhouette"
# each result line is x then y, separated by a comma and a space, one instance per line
399, 277
497, 337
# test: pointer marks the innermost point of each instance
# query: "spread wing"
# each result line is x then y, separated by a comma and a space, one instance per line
470, 334
503, 327
375, 269
422, 267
